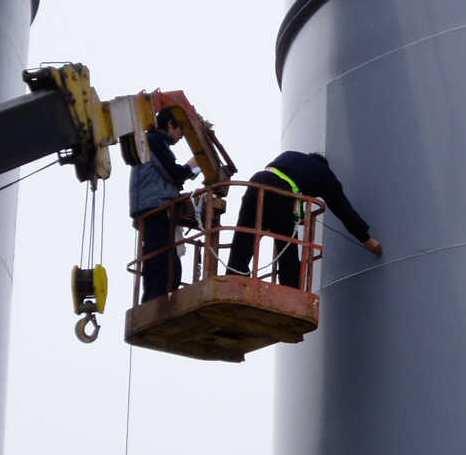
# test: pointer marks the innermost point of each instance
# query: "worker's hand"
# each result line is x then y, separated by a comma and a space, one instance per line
195, 169
374, 246
192, 162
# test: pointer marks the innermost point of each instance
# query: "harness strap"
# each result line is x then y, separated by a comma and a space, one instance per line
299, 206
294, 187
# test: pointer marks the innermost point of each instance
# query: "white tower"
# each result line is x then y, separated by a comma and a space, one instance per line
379, 86
15, 19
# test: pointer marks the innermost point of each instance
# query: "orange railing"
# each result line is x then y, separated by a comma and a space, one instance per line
205, 239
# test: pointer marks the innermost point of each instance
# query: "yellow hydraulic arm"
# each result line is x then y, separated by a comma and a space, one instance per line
64, 114
125, 119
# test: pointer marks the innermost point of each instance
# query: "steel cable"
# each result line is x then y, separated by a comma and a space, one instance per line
84, 227
102, 224
130, 365
128, 399
14, 182
90, 252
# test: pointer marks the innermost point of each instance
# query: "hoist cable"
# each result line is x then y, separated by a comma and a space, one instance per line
93, 228
89, 241
128, 398
90, 255
4, 187
102, 224
84, 227
130, 366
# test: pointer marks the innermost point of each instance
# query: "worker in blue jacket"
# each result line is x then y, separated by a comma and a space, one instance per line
296, 172
153, 184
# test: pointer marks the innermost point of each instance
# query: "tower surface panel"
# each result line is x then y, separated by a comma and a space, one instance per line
379, 87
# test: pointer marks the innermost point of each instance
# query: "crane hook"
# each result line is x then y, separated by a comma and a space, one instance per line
80, 328
89, 291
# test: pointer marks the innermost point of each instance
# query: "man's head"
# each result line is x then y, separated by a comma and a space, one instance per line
166, 121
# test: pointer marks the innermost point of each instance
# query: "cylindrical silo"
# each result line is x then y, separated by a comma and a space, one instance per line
379, 86
15, 20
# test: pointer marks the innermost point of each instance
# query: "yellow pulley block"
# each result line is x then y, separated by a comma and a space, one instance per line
89, 289
100, 287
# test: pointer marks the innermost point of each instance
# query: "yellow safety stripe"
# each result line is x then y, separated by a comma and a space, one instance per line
299, 205
283, 176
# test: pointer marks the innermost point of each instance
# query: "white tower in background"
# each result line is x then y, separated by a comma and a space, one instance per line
15, 20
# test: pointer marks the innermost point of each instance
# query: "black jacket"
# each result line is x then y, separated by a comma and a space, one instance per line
159, 143
315, 178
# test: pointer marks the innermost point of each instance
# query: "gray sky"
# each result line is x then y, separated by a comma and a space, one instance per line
66, 397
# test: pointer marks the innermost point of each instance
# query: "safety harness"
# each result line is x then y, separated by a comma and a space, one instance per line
298, 210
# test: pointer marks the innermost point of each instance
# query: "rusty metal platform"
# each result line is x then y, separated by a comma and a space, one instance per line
223, 318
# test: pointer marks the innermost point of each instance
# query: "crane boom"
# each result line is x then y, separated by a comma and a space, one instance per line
34, 126
64, 112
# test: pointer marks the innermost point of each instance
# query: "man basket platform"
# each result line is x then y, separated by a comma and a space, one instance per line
223, 317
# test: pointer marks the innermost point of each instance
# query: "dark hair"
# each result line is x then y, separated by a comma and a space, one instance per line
164, 117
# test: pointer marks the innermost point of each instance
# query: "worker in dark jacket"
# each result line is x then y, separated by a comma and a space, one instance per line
153, 184
297, 172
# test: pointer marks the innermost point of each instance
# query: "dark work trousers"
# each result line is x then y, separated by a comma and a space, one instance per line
156, 271
278, 218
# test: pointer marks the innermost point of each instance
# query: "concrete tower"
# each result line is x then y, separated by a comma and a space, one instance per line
379, 86
15, 19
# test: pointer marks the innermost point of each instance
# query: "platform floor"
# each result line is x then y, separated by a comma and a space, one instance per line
223, 318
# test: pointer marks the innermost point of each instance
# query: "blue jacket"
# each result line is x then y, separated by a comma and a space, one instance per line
158, 181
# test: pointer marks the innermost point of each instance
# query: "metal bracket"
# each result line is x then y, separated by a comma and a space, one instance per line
90, 117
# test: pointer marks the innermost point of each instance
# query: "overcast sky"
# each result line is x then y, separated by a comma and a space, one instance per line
66, 397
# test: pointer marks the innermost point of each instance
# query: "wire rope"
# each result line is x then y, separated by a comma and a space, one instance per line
93, 230
90, 250
130, 366
128, 398
14, 182
84, 227
102, 224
